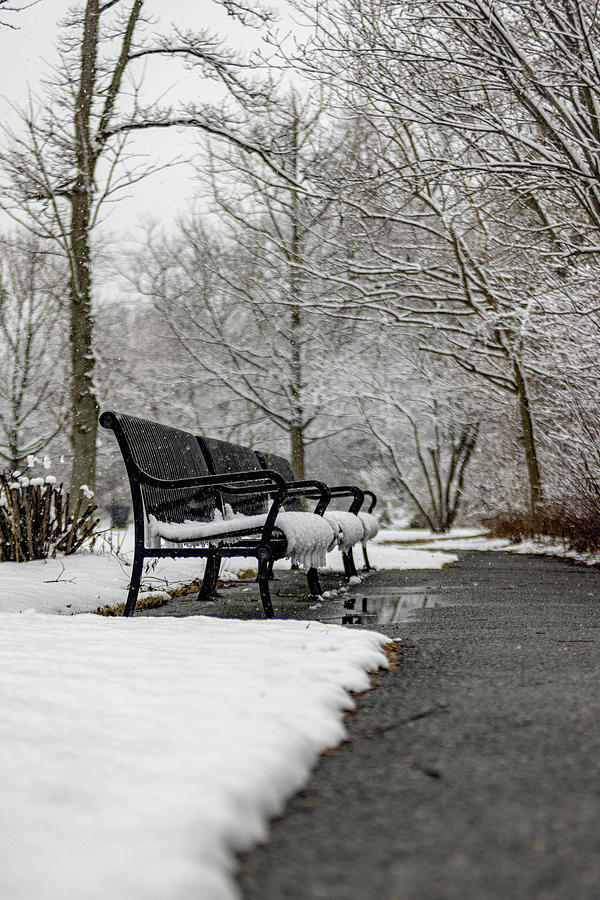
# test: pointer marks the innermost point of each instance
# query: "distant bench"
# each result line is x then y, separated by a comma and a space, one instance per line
213, 499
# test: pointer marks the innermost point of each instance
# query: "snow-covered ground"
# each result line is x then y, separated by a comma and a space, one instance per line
469, 539
137, 755
83, 582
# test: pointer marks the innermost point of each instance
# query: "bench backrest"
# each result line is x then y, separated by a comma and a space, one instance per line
223, 457
163, 452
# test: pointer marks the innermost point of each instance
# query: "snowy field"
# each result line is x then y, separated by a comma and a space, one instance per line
138, 755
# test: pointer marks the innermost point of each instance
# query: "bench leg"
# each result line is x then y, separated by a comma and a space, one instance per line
349, 567
314, 585
208, 590
368, 566
134, 584
263, 582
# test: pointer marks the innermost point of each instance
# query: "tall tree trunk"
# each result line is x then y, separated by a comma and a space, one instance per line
297, 426
295, 294
84, 416
298, 451
531, 458
84, 406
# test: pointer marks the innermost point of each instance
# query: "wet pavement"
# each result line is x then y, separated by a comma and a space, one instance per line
472, 772
369, 603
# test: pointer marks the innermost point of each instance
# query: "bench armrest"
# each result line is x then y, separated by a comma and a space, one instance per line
312, 490
369, 495
349, 490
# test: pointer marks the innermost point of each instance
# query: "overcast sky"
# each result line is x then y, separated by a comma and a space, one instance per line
28, 53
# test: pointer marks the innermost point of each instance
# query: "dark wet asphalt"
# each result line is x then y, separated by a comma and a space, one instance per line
473, 771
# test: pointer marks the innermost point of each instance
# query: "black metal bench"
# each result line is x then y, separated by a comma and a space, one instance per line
223, 457
177, 477
283, 467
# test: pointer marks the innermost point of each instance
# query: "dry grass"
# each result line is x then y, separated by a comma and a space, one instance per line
151, 601
154, 601
394, 652
574, 521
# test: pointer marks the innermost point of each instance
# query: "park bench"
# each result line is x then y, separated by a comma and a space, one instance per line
177, 499
358, 496
350, 526
191, 488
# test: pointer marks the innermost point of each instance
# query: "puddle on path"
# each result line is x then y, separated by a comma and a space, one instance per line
389, 606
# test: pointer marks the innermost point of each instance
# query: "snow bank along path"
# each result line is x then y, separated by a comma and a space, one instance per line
84, 581
137, 755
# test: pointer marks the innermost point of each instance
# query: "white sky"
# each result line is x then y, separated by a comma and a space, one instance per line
27, 54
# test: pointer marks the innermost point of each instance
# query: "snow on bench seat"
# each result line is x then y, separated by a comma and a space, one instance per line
308, 536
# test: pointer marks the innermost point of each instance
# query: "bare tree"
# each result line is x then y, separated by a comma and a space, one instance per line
70, 156
244, 307
425, 423
8, 6
442, 452
32, 401
268, 368
445, 237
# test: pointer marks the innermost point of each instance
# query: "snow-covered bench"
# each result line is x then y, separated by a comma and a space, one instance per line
179, 498
351, 526
224, 457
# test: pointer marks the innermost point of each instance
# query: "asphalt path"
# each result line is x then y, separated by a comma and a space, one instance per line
472, 772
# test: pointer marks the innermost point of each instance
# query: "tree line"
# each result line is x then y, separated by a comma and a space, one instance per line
395, 269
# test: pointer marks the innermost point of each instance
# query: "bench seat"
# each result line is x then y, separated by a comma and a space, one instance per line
308, 537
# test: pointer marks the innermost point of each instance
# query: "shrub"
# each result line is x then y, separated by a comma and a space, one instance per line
38, 519
574, 521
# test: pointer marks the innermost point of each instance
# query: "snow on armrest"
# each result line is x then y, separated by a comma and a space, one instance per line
370, 525
347, 527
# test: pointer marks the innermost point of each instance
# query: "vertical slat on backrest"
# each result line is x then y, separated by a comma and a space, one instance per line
283, 467
223, 457
166, 452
